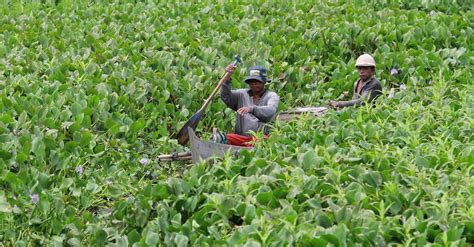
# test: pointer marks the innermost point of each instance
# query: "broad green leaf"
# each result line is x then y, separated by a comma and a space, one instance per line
137, 125
264, 197
152, 238
133, 237
38, 147
100, 236
74, 242
4, 205
309, 160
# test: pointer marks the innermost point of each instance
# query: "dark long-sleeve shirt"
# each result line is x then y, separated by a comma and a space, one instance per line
371, 89
261, 113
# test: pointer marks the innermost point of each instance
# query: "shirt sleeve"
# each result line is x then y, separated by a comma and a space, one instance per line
266, 112
374, 92
229, 96
349, 103
368, 95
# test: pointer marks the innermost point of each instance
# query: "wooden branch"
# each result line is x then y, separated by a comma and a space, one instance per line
175, 156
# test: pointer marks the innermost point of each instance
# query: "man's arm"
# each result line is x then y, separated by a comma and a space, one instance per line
267, 112
370, 94
342, 104
229, 96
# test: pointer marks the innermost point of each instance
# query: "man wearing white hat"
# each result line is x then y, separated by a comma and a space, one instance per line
366, 88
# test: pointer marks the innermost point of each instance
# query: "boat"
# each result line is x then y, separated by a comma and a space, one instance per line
203, 150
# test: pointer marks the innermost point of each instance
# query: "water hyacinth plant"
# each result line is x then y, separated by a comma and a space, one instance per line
105, 85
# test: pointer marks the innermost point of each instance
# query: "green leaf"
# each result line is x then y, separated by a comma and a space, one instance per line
252, 243
6, 119
422, 162
110, 123
76, 108
74, 242
160, 192
331, 239
152, 238
314, 242
137, 125
341, 234
133, 236
181, 240
324, 220
264, 198
250, 213
5, 155
92, 187
100, 236
4, 205
309, 160
38, 147
56, 226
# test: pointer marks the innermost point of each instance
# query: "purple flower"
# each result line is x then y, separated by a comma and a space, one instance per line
403, 87
144, 161
393, 72
34, 198
80, 170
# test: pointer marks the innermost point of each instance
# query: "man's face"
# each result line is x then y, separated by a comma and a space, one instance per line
365, 72
256, 86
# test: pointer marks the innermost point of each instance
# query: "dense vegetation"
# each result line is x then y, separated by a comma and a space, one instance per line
90, 94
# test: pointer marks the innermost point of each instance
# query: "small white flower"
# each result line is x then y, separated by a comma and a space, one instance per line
392, 93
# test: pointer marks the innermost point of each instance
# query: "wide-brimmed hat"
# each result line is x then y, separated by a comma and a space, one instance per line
258, 73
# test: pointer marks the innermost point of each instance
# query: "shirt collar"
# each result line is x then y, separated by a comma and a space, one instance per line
251, 94
367, 81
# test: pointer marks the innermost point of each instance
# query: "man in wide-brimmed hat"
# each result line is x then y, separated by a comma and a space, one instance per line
255, 107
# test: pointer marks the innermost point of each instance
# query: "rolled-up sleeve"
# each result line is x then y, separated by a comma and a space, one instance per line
267, 112
229, 96
369, 95
349, 103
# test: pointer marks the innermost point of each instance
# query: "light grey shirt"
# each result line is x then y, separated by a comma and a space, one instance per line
264, 111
